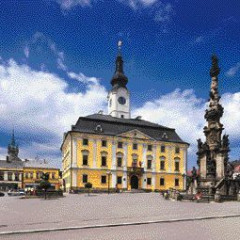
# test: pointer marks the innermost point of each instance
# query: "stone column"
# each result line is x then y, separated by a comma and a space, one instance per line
114, 165
154, 166
144, 183
154, 158
125, 157
74, 178
95, 153
74, 153
184, 167
114, 152
219, 166
124, 183
169, 149
5, 175
203, 167
144, 154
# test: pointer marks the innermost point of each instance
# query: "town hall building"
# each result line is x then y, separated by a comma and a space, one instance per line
116, 151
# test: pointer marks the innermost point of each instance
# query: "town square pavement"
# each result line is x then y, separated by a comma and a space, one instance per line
103, 209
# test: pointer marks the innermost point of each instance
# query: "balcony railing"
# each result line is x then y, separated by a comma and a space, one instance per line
136, 170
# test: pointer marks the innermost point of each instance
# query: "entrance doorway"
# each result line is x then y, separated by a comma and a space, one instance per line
134, 182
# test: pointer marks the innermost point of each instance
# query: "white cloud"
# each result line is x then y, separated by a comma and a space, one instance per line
199, 39
82, 78
233, 70
164, 13
69, 4
26, 51
38, 105
41, 41
136, 4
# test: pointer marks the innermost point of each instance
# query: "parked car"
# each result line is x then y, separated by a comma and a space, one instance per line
20, 192
2, 194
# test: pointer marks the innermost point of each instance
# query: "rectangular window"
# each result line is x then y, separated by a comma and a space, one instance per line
103, 179
31, 175
177, 150
85, 142
177, 166
176, 182
122, 116
104, 161
85, 160
149, 147
119, 162
16, 176
84, 178
162, 165
1, 176
149, 164
26, 175
9, 176
149, 181
37, 175
119, 180
162, 148
162, 181
104, 143
135, 146
53, 175
120, 145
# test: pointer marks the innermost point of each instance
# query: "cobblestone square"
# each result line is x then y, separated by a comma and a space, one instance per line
103, 209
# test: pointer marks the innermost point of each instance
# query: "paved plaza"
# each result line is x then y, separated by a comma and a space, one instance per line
103, 209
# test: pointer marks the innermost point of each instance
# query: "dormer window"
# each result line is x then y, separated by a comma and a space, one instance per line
164, 136
98, 128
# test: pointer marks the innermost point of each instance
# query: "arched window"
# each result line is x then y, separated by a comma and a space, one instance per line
177, 164
119, 159
85, 154
134, 160
104, 158
149, 161
162, 163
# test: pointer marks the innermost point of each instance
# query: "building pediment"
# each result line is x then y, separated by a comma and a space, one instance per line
135, 134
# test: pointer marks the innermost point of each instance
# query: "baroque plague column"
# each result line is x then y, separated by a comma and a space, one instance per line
213, 154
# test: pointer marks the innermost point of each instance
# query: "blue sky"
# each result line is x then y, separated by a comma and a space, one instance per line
57, 58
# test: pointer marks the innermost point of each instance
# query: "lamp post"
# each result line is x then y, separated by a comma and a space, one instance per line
109, 174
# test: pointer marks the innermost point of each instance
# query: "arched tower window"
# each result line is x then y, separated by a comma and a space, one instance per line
162, 163
177, 164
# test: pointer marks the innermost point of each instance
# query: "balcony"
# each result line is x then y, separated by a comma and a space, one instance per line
135, 170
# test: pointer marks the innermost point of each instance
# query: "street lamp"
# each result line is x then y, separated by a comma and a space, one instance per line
109, 174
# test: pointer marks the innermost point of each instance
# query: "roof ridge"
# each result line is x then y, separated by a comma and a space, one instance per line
132, 121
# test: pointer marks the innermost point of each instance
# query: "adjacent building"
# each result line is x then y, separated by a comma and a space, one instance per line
115, 151
16, 173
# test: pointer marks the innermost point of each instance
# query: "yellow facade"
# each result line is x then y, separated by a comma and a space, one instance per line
73, 151
32, 176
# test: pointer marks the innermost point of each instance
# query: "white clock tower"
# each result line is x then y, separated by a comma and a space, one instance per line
119, 96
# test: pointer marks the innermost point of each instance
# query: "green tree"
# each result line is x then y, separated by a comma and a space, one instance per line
88, 186
45, 184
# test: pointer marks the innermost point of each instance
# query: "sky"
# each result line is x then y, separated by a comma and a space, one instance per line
57, 58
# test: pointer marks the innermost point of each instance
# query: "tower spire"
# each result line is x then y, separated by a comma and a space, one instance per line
13, 142
13, 149
119, 79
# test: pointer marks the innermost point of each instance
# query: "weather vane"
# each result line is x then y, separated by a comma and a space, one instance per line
120, 46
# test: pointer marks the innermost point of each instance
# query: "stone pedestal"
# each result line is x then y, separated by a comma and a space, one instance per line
217, 196
238, 196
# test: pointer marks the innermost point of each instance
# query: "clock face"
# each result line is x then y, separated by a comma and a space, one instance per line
122, 100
